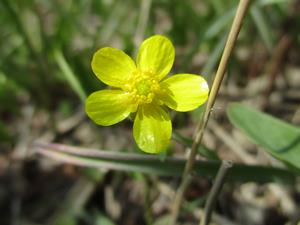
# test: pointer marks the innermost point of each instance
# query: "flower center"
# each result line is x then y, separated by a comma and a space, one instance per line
142, 87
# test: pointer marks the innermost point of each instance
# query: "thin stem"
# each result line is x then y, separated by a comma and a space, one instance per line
232, 37
179, 197
148, 186
215, 191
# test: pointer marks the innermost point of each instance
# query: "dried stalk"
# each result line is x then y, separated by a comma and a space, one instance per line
215, 191
232, 37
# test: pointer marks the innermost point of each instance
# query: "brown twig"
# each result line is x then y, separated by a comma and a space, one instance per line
215, 191
232, 37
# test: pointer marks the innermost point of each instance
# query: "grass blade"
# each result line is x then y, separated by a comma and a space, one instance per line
262, 26
69, 74
155, 166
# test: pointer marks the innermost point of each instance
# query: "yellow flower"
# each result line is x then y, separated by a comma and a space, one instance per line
141, 88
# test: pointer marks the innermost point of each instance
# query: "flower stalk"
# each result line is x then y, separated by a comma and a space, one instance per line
232, 37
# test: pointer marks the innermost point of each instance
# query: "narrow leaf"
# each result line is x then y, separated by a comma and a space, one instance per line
262, 26
69, 74
154, 165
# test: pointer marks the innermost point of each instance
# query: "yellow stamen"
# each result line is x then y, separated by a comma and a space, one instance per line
142, 87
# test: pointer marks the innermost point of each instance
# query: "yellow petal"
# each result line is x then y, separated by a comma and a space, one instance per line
112, 66
107, 107
156, 55
184, 92
152, 128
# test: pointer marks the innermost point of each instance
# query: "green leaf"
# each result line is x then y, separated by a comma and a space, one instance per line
66, 220
103, 220
218, 6
262, 25
215, 55
202, 150
5, 136
277, 137
219, 24
153, 165
69, 74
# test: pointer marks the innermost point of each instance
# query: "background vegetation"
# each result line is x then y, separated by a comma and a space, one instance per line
45, 76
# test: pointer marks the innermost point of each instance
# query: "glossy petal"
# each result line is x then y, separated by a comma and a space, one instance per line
184, 92
156, 54
152, 128
112, 66
107, 107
